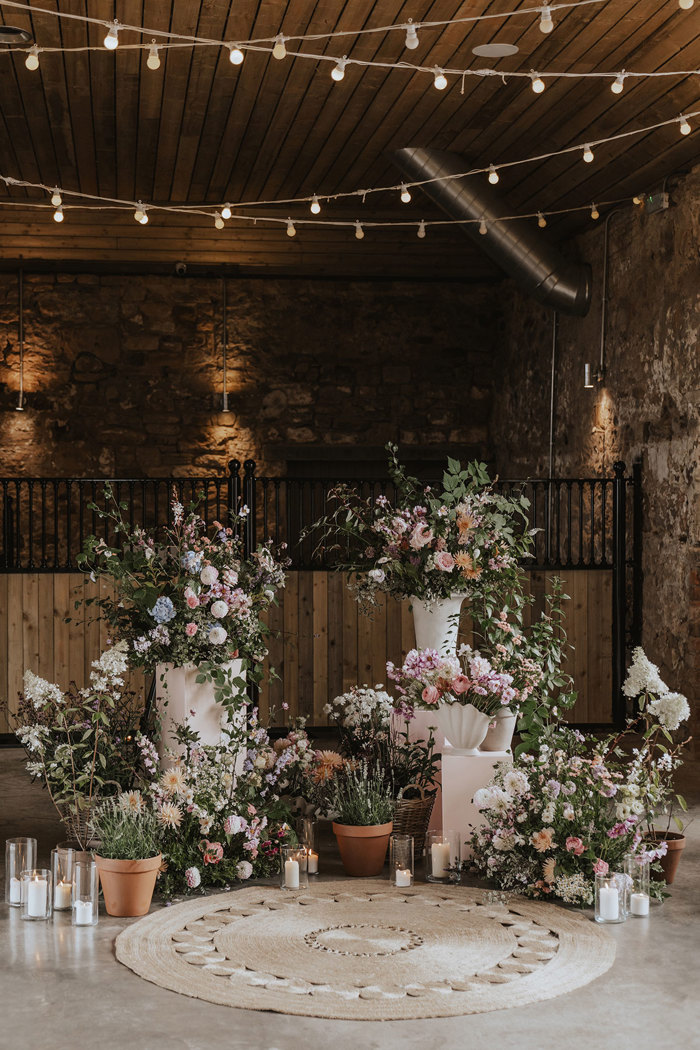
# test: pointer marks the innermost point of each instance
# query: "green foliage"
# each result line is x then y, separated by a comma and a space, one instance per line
126, 834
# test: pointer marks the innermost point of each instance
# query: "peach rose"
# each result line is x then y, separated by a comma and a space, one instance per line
421, 536
461, 684
431, 694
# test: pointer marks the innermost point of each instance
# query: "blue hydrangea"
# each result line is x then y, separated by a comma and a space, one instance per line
191, 561
163, 610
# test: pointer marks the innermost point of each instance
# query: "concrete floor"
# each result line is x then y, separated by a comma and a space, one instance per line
62, 989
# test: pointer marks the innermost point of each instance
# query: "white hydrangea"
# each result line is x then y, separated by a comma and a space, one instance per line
643, 676
671, 709
492, 798
40, 692
361, 706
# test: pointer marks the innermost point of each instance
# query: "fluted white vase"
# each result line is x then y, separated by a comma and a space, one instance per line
437, 623
463, 726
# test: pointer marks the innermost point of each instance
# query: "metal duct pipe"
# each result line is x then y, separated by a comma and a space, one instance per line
523, 252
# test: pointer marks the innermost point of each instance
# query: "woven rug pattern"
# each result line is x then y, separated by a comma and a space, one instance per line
364, 951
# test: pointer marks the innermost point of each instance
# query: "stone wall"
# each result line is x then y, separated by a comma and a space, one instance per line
123, 375
647, 407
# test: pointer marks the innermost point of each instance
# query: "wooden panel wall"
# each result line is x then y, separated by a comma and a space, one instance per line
319, 646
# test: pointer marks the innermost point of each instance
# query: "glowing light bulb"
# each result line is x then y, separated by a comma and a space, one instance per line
618, 84
56, 198
421, 229
685, 5
144, 218
235, 55
493, 175
359, 232
279, 51
595, 214
636, 199
588, 154
226, 211
684, 126
291, 231
153, 60
138, 214
405, 193
338, 71
218, 221
546, 23
541, 221
412, 40
32, 59
483, 228
314, 207
111, 41
58, 214
440, 81
537, 83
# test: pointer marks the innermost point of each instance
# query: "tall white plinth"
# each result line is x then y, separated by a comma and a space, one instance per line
462, 776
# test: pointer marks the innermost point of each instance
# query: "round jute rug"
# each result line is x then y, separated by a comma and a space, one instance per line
364, 951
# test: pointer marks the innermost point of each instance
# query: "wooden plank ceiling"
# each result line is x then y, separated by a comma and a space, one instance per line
201, 130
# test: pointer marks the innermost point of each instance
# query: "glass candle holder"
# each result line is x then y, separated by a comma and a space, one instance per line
637, 871
442, 856
20, 855
611, 897
307, 832
37, 894
401, 861
85, 892
62, 864
294, 873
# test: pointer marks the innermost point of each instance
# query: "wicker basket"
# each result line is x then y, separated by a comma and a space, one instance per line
412, 816
78, 825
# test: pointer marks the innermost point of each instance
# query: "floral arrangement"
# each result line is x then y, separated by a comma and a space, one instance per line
363, 718
187, 596
428, 544
576, 805
81, 742
428, 679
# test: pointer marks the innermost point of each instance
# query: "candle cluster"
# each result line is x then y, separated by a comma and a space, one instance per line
70, 884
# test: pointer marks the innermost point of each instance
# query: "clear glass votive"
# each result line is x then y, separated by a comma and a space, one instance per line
442, 856
611, 897
307, 832
637, 871
20, 855
37, 894
85, 891
401, 861
294, 873
62, 864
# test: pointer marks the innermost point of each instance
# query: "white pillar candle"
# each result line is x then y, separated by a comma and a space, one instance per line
36, 898
440, 857
15, 891
61, 897
609, 904
403, 876
82, 913
291, 874
639, 904
313, 862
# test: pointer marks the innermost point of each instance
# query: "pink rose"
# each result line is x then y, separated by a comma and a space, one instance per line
213, 852
444, 561
576, 846
600, 867
461, 684
431, 694
190, 629
192, 601
421, 536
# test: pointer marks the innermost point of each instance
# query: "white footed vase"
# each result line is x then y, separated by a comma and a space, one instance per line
182, 699
463, 726
437, 623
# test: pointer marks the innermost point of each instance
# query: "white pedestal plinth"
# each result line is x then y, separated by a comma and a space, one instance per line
181, 699
462, 776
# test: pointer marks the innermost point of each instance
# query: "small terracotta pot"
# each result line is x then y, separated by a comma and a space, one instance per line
501, 736
128, 885
675, 843
363, 849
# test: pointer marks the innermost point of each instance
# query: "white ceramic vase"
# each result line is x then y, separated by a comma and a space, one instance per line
437, 623
181, 698
500, 737
464, 727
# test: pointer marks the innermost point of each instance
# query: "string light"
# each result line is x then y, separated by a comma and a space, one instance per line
153, 60
139, 213
291, 230
595, 214
684, 126
618, 83
32, 59
338, 72
440, 81
226, 211
546, 23
218, 221
493, 175
359, 232
588, 154
421, 229
636, 199
235, 55
56, 198
58, 214
537, 83
483, 228
279, 51
541, 221
111, 41
314, 207
685, 5
412, 40
405, 194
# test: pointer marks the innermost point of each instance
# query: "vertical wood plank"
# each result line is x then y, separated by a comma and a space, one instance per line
320, 645
15, 639
378, 643
92, 627
291, 643
4, 662
46, 616
393, 634
61, 631
336, 586
364, 649
408, 633
30, 621
306, 644
351, 672
600, 646
76, 634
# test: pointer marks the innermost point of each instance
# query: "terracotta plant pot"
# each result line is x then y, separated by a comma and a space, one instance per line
500, 737
363, 849
676, 844
128, 885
